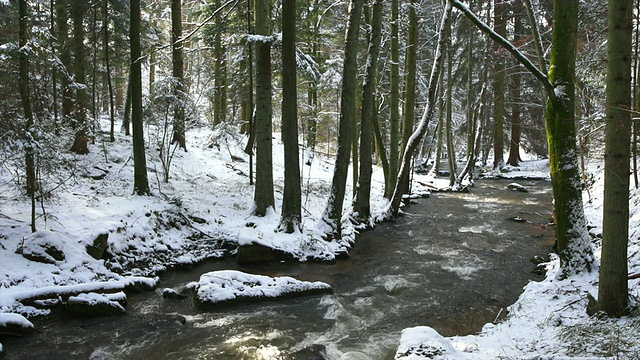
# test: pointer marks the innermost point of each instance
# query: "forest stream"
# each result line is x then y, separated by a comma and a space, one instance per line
452, 263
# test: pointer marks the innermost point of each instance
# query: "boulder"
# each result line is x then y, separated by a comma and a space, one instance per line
229, 287
44, 247
517, 187
98, 248
423, 342
94, 304
15, 324
254, 253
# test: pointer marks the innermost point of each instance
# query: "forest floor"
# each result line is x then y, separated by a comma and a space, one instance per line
204, 211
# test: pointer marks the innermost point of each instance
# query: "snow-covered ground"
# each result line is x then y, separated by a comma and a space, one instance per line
207, 201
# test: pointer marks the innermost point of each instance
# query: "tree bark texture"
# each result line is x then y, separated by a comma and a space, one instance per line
81, 139
263, 196
177, 62
408, 113
394, 102
574, 246
363, 194
613, 291
140, 180
290, 219
332, 216
499, 79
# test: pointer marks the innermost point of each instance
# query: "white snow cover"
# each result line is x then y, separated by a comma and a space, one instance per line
7, 319
225, 285
93, 299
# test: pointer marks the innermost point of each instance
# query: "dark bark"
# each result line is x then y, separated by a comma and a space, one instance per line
140, 180
394, 102
290, 219
263, 196
81, 139
409, 108
177, 61
333, 212
613, 289
363, 193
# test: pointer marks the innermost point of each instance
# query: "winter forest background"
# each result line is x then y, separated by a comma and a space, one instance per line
150, 106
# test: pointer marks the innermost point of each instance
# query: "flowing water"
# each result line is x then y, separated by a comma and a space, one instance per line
452, 263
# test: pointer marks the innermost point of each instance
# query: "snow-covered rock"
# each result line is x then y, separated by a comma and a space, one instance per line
423, 342
228, 286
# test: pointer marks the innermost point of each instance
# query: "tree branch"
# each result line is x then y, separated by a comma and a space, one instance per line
507, 46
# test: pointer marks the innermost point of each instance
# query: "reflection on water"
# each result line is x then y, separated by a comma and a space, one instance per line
452, 264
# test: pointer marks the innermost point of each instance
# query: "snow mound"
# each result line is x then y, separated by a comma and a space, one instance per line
423, 342
225, 286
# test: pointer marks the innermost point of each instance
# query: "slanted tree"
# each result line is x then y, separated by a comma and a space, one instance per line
363, 193
290, 218
574, 246
613, 289
140, 180
263, 196
177, 61
332, 215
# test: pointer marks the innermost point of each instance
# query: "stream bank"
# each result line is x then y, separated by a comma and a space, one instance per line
452, 263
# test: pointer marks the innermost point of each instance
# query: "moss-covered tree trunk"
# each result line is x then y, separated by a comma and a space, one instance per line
263, 196
613, 291
290, 218
332, 215
574, 246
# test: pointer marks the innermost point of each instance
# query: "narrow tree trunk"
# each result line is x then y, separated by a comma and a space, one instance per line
414, 140
394, 102
290, 218
81, 139
408, 112
62, 15
54, 73
499, 78
107, 62
126, 118
140, 180
263, 196
332, 216
514, 146
363, 194
613, 289
30, 165
451, 156
177, 61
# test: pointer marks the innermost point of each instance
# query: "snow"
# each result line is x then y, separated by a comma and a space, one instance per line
150, 234
7, 319
226, 285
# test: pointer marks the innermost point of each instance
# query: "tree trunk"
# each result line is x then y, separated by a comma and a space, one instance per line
613, 290
414, 140
112, 111
81, 139
363, 194
140, 180
333, 212
263, 196
394, 102
30, 165
573, 241
177, 61
409, 108
126, 117
514, 146
65, 57
290, 218
451, 156
499, 78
